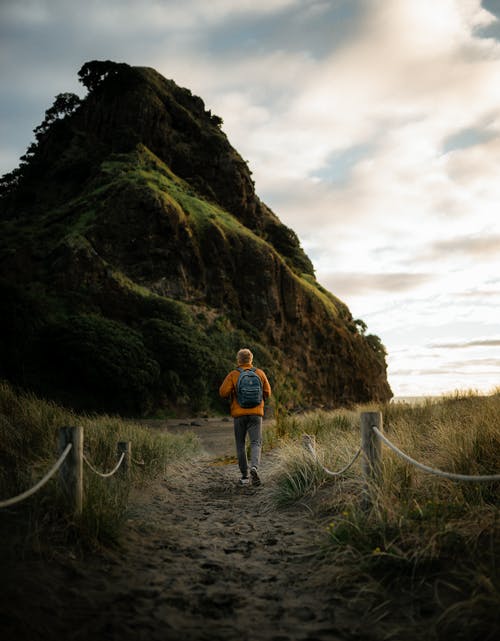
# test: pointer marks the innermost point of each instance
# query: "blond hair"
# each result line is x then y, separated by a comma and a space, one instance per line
244, 356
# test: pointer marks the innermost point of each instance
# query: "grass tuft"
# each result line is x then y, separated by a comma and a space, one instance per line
424, 548
29, 430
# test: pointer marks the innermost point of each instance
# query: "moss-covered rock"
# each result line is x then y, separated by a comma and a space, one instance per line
139, 222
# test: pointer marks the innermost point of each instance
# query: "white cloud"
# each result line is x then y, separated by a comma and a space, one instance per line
25, 12
136, 14
401, 87
405, 230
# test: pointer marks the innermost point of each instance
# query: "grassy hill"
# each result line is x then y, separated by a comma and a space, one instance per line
136, 259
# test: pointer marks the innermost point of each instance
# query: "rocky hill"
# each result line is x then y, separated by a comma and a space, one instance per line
136, 258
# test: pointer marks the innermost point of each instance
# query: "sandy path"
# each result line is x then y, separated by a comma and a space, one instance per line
205, 559
215, 434
202, 559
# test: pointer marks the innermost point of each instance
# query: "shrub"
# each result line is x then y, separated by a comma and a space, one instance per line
286, 242
187, 364
104, 361
22, 318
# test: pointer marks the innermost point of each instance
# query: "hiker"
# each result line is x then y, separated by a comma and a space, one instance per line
247, 388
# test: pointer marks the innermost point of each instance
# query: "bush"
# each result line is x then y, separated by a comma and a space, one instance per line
286, 242
103, 361
188, 366
22, 318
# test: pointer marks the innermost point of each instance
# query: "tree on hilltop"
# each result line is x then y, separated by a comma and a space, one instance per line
64, 105
93, 73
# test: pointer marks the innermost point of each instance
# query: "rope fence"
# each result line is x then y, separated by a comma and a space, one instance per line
72, 457
447, 475
41, 483
70, 467
372, 438
105, 475
308, 442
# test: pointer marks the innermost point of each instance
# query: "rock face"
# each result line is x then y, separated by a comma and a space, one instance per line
136, 259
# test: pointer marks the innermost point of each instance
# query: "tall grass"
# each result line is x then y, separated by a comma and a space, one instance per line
425, 548
298, 474
29, 430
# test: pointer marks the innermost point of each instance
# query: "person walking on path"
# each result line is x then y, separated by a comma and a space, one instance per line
247, 388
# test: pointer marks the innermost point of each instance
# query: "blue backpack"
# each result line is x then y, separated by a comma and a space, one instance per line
248, 388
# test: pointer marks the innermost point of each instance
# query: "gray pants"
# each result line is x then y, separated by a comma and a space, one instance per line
252, 425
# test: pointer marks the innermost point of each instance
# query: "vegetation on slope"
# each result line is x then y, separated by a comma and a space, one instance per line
118, 345
136, 259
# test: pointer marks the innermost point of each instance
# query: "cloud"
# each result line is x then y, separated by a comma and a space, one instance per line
312, 26
135, 14
396, 110
372, 129
437, 371
477, 247
457, 367
482, 295
482, 363
350, 284
486, 342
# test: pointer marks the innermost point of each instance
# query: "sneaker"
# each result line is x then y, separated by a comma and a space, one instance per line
244, 480
255, 476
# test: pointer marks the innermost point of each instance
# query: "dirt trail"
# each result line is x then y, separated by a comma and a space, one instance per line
202, 560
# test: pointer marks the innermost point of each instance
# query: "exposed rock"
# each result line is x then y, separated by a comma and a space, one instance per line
135, 208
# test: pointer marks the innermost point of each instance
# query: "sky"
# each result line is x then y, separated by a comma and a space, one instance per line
372, 129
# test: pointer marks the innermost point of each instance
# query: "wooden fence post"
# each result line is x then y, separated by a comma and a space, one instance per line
125, 447
309, 442
371, 450
71, 472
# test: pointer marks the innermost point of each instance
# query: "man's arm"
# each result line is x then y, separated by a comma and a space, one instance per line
226, 389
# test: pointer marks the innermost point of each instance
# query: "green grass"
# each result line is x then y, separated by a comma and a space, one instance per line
424, 553
143, 167
289, 428
128, 294
330, 303
200, 211
29, 429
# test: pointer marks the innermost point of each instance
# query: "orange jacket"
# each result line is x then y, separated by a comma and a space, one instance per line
228, 390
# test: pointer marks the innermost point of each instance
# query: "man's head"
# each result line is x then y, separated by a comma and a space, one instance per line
244, 357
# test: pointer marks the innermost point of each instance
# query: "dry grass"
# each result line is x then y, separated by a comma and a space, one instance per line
29, 429
425, 552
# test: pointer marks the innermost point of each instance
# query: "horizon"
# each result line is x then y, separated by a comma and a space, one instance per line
372, 131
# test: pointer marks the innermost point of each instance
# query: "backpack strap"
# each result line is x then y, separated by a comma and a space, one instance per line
241, 370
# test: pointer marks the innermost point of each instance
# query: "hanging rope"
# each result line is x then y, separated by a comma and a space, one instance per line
41, 483
308, 442
102, 474
431, 470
